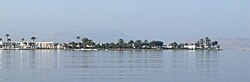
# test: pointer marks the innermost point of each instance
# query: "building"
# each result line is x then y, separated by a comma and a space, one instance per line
190, 46
169, 47
44, 45
27, 45
9, 45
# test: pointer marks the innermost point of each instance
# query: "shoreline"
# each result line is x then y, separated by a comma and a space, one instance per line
245, 49
116, 49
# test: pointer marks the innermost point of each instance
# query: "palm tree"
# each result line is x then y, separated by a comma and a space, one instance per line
202, 43
146, 43
7, 36
138, 44
8, 44
120, 43
174, 45
85, 41
9, 40
33, 38
214, 43
78, 44
78, 38
131, 44
1, 41
33, 44
208, 41
22, 39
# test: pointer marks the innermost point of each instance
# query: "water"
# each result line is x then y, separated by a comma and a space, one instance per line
124, 66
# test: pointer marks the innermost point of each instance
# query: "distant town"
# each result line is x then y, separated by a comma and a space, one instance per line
120, 44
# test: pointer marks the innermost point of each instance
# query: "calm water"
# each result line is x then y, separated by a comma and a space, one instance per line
124, 66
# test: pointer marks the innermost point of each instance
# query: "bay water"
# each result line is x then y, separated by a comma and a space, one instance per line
228, 65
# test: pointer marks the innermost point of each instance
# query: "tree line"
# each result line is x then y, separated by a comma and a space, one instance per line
119, 44
206, 43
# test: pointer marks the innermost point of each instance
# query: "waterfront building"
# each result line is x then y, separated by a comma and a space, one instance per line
190, 46
44, 45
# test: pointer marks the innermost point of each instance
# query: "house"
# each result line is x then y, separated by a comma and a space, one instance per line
9, 45
190, 46
169, 46
44, 45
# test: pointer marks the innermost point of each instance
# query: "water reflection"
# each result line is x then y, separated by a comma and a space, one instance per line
87, 64
203, 63
28, 59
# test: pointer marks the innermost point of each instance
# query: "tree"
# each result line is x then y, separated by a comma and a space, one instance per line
208, 41
33, 38
78, 44
78, 38
218, 46
120, 43
8, 44
181, 45
202, 43
145, 41
85, 41
25, 43
72, 45
138, 44
112, 45
106, 45
7, 36
98, 46
174, 45
197, 44
131, 44
156, 43
9, 40
91, 44
1, 39
22, 39
65, 45
214, 43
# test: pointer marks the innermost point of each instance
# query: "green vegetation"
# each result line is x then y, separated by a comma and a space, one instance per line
32, 38
202, 44
120, 44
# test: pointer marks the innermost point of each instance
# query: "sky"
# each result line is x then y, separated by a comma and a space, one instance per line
109, 20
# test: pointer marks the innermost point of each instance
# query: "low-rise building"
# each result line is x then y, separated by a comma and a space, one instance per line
44, 45
189, 46
26, 45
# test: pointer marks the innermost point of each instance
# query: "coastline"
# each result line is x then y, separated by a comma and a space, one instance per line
245, 49
121, 49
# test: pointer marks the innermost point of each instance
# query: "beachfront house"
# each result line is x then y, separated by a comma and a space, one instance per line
169, 46
9, 45
190, 46
26, 45
44, 45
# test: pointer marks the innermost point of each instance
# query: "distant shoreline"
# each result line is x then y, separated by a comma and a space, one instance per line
113, 49
245, 49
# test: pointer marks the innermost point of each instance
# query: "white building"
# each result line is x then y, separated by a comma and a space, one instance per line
44, 45
189, 46
169, 46
26, 45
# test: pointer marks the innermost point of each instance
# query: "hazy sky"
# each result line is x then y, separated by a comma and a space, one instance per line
107, 20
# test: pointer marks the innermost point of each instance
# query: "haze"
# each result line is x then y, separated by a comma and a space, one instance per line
108, 20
